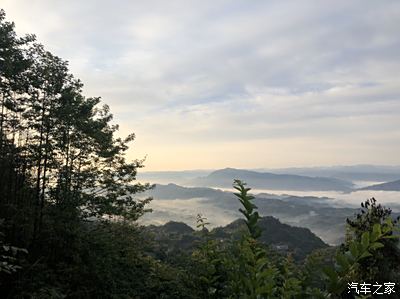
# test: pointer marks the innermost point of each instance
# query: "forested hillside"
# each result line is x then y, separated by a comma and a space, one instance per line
68, 209
177, 236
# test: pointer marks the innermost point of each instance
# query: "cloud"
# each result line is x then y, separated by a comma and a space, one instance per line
193, 75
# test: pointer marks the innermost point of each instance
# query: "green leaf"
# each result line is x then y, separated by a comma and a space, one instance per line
365, 240
353, 249
376, 232
376, 245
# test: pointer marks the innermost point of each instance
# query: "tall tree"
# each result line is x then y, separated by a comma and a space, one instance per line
60, 144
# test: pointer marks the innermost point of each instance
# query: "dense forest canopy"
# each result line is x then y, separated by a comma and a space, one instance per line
68, 209
58, 141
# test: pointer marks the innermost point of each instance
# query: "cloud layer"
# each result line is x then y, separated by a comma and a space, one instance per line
208, 84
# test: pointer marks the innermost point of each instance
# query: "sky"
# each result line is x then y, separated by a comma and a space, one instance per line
246, 84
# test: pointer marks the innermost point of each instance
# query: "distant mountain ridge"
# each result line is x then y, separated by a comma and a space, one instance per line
389, 186
165, 177
374, 173
315, 213
266, 180
363, 172
173, 191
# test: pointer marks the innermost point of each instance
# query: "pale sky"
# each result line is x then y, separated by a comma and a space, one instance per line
247, 84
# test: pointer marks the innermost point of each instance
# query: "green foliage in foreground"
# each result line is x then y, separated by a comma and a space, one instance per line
68, 211
249, 270
114, 260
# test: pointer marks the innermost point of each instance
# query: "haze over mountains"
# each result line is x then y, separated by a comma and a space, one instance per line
319, 199
266, 180
165, 177
389, 186
309, 178
173, 202
374, 173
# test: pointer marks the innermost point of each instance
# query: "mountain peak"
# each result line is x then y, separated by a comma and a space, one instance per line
266, 180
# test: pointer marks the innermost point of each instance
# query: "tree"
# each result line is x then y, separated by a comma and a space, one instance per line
61, 163
385, 264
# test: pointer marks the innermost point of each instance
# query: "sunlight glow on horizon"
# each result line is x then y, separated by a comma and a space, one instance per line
208, 85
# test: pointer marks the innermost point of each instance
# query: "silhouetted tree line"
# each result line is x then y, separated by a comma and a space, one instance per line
68, 212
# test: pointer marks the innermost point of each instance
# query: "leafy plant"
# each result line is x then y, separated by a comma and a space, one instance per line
374, 233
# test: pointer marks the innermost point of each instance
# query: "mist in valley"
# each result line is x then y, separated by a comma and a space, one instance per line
323, 212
